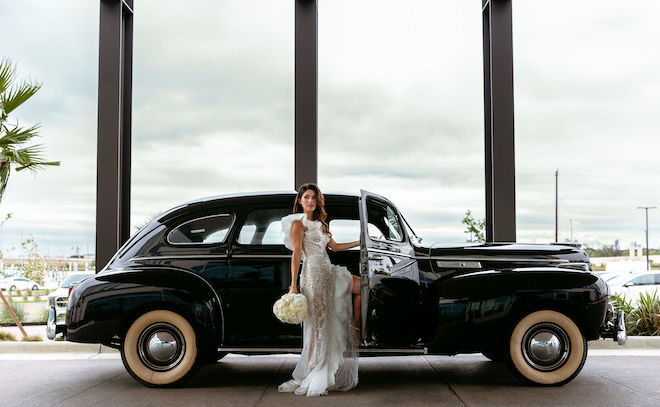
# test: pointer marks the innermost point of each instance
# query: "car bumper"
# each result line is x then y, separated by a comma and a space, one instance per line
614, 327
56, 324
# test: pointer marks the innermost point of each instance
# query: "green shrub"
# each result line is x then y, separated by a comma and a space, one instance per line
649, 313
7, 336
42, 316
5, 316
32, 338
25, 295
643, 318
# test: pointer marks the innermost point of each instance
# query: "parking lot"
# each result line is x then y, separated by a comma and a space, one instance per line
609, 378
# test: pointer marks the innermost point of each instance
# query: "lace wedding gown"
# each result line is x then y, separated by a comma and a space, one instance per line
329, 357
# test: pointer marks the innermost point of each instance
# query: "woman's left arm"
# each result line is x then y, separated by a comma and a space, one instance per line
337, 247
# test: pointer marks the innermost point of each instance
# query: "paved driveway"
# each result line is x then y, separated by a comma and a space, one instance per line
608, 379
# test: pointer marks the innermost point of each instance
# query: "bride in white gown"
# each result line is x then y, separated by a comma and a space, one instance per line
329, 358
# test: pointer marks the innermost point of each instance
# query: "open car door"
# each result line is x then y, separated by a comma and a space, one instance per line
389, 275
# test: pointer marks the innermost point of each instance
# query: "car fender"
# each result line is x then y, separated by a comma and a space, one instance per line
102, 308
472, 304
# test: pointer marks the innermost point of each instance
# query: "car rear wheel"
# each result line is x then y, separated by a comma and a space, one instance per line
35, 287
160, 349
12, 288
547, 348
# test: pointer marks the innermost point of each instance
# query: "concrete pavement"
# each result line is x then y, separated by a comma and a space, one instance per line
464, 380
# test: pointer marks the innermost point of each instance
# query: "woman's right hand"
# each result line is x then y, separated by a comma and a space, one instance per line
293, 290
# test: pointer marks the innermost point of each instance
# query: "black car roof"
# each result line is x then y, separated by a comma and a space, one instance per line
232, 198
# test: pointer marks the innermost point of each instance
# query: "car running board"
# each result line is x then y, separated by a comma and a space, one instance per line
365, 351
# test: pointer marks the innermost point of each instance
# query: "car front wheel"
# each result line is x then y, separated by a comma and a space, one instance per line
160, 349
12, 288
547, 348
35, 287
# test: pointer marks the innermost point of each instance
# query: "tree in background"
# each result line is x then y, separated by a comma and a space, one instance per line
13, 138
34, 265
475, 227
2, 223
606, 251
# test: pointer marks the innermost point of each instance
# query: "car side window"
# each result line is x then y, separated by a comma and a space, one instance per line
263, 227
384, 220
204, 230
646, 279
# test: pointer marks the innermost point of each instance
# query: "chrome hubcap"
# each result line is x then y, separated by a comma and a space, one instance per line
161, 346
546, 347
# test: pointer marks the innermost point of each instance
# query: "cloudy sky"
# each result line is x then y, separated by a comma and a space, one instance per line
400, 111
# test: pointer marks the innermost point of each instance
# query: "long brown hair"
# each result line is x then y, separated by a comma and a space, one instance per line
319, 213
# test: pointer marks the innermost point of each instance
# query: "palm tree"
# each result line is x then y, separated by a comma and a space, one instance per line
12, 137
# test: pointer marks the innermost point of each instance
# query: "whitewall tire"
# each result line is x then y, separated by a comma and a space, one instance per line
547, 348
160, 349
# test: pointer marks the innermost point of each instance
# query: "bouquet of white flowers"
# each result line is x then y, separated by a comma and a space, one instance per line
291, 308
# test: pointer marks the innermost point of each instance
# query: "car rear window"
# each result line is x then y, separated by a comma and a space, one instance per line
204, 230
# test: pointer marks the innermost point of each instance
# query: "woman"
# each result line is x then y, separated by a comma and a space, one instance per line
329, 358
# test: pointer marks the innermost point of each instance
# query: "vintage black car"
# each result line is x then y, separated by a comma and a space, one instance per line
200, 281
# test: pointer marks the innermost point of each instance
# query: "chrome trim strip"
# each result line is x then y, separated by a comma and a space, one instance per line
458, 264
261, 256
181, 256
369, 249
231, 225
495, 258
422, 351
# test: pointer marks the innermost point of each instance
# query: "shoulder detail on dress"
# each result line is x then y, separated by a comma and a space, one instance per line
287, 224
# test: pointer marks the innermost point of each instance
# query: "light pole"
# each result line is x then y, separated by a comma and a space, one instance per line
571, 222
557, 205
646, 209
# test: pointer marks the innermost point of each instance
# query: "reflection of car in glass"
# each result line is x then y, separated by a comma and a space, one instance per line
57, 301
200, 280
631, 286
18, 283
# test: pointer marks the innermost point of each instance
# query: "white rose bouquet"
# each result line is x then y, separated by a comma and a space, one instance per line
291, 308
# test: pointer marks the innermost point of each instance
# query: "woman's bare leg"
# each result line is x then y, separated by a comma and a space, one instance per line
357, 306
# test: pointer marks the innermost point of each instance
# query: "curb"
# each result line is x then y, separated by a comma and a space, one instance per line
634, 342
53, 347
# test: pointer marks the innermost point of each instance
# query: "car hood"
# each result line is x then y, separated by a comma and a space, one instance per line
555, 254
60, 292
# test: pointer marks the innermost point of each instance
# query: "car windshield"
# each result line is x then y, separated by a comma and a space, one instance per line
73, 278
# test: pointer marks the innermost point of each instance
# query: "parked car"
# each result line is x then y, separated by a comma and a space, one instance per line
57, 301
18, 283
200, 280
631, 286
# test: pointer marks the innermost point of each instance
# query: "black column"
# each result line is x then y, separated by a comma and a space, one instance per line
113, 176
306, 92
498, 117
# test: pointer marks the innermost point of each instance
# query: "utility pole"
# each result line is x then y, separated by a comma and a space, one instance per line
557, 205
646, 208
571, 222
